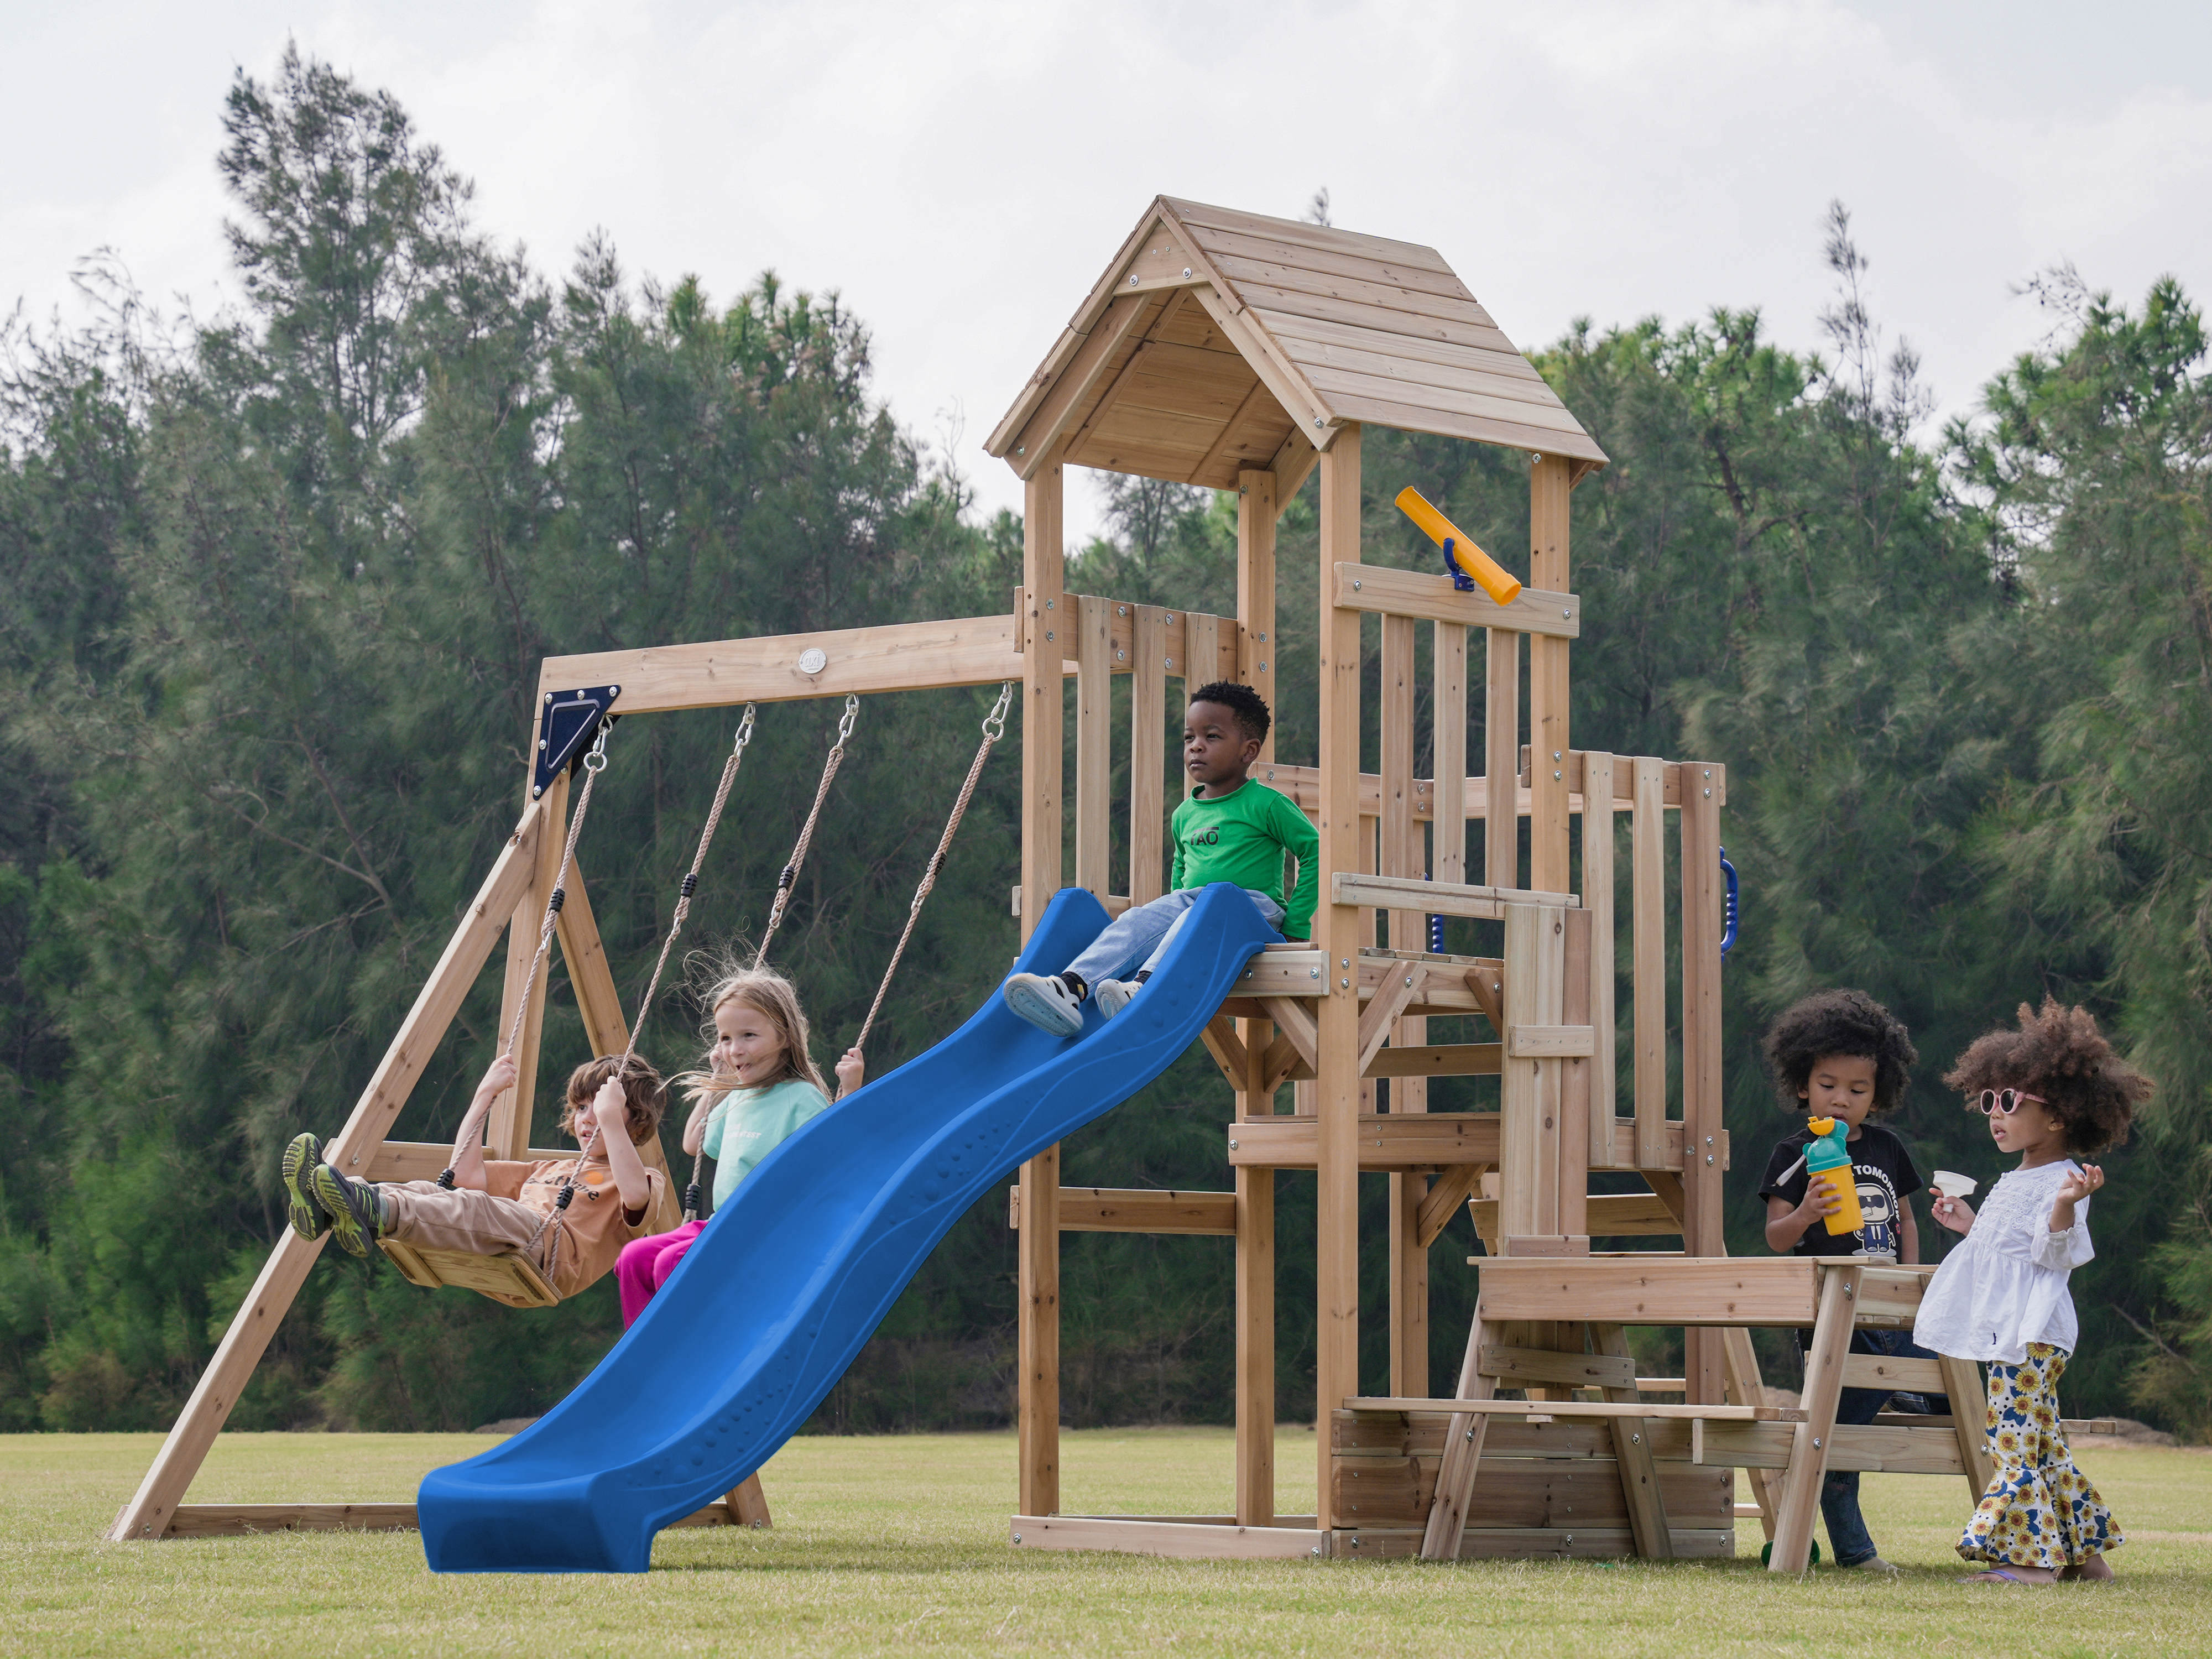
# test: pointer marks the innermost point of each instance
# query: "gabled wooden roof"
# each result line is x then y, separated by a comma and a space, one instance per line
1217, 341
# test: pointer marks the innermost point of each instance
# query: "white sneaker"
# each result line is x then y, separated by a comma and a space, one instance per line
1045, 1002
1113, 995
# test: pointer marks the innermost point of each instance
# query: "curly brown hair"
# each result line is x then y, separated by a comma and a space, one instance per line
643, 1092
2059, 1055
1840, 1023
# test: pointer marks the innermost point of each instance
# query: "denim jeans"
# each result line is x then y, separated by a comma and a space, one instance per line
1839, 1493
1137, 937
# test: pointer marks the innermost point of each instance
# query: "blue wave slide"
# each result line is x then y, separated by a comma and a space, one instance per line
768, 1310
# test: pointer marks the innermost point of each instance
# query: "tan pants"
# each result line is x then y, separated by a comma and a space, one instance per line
426, 1214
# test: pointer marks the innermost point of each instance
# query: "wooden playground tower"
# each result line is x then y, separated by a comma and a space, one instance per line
1236, 352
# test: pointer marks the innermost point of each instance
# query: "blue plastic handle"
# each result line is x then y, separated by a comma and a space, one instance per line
1733, 912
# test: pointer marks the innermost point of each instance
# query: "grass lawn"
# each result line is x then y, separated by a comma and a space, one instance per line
899, 1546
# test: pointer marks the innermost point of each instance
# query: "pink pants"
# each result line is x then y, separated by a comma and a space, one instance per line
645, 1264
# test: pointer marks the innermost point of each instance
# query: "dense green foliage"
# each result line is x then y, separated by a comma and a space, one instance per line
278, 586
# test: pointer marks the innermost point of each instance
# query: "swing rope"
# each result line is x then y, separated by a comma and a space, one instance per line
807, 833
995, 727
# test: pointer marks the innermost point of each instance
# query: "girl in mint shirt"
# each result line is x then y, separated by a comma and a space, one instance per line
758, 1085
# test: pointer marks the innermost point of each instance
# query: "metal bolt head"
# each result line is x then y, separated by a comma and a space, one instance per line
1047, 604
1121, 610
1017, 1537
1409, 981
1355, 584
1344, 962
1186, 270
1132, 283
1313, 972
1345, 983
1816, 1444
1318, 420
1021, 449
1709, 795
1047, 633
1263, 639
1233, 1145
1635, 1439
1263, 668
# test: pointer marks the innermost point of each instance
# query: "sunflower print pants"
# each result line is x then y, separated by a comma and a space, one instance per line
2039, 1510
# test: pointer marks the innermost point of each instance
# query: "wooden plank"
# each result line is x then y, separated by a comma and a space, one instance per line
426, 1160
1337, 1126
1517, 1367
1746, 1389
1446, 898
1423, 1434
1148, 752
1631, 1449
1529, 1163
1445, 1196
1514, 401
1962, 1381
1596, 1408
1890, 1296
247, 1520
1074, 383
1381, 1013
722, 673
152, 1508
1663, 1290
1448, 760
1464, 1434
1316, 270
1136, 1209
1404, 357
1597, 895
1432, 598
1397, 1492
1290, 388
1648, 944
1037, 1252
1094, 742
1812, 1442
1222, 1041
1608, 1215
1189, 1540
1501, 725
1874, 1371
1548, 699
1302, 784
506, 1128
1415, 416
1255, 1348
1427, 1140
1257, 510
1550, 1041
1293, 464
1257, 401
1201, 222
1574, 1080
1702, 1068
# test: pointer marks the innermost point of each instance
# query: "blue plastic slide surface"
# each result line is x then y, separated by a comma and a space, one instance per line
771, 1304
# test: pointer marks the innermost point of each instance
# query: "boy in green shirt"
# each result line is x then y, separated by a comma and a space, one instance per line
1229, 829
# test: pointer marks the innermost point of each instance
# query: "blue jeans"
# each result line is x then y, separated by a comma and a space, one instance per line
1839, 1491
1137, 937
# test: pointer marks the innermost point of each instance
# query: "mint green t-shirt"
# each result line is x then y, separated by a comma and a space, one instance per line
1240, 837
746, 1124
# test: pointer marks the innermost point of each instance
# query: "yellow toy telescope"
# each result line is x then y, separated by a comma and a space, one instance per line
1462, 558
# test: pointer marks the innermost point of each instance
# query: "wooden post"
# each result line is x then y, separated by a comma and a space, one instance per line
153, 1507
1812, 1440
1597, 898
1548, 746
1257, 639
1256, 647
1528, 1135
1647, 859
507, 1129
1449, 765
1577, 1084
1037, 1250
1401, 854
1148, 751
1092, 619
1706, 1371
1501, 745
1337, 930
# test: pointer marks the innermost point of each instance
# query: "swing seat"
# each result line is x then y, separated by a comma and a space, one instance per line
512, 1279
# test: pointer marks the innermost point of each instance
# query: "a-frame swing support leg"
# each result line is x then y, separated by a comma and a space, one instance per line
153, 1507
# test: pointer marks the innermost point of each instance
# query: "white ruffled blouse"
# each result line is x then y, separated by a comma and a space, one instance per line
2004, 1285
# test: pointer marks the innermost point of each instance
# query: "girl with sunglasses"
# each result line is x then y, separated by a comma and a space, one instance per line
2053, 1091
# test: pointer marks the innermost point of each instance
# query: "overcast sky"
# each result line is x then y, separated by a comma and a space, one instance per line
963, 172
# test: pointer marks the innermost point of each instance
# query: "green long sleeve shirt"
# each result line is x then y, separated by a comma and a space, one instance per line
1240, 837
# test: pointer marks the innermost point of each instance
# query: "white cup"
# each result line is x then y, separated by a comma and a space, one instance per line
1954, 1185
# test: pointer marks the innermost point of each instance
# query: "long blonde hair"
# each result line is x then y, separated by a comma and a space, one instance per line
775, 1000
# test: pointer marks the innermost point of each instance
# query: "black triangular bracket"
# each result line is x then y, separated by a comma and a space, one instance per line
566, 721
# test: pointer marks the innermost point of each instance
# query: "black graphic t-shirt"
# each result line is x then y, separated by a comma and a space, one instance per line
1886, 1175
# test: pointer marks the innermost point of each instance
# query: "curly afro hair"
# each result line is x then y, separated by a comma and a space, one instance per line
1840, 1023
2059, 1055
1250, 708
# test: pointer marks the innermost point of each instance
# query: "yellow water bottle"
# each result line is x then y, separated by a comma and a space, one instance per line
1826, 1159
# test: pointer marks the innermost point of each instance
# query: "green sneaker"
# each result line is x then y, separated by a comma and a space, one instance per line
300, 1207
356, 1209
